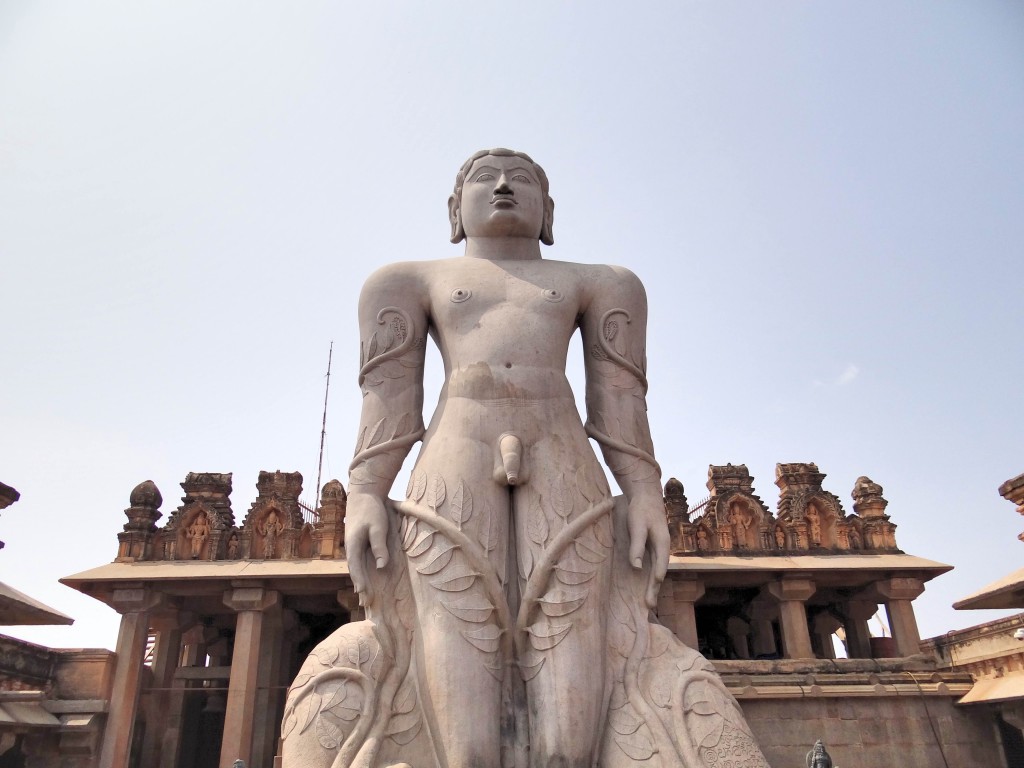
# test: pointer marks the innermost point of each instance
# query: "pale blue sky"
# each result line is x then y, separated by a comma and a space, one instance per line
824, 201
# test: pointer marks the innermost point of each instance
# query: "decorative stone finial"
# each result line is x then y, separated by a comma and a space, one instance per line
728, 478
146, 495
333, 491
676, 506
867, 498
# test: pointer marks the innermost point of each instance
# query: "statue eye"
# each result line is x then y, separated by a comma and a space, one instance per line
485, 177
522, 178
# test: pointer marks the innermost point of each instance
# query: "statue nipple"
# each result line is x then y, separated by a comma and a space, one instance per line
510, 448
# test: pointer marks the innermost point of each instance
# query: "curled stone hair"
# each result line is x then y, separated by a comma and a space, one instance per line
546, 234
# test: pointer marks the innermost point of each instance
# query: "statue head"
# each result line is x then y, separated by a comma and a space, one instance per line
545, 235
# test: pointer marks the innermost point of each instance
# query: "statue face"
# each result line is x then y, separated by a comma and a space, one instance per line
502, 197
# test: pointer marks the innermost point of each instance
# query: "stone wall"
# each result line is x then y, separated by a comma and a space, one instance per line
865, 732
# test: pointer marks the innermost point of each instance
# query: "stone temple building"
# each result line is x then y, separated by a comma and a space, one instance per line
219, 609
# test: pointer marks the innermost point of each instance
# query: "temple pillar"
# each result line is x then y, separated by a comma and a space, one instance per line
857, 613
763, 612
176, 718
739, 635
899, 594
349, 600
134, 604
824, 625
166, 657
676, 608
792, 595
251, 604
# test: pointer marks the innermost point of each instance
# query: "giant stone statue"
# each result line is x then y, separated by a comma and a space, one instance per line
508, 596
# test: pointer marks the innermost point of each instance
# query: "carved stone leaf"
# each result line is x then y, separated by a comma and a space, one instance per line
661, 692
488, 535
525, 563
603, 531
306, 709
334, 693
328, 734
586, 486
436, 492
620, 611
361, 440
403, 728
289, 723
300, 681
371, 351
409, 534
573, 575
487, 638
530, 665
359, 653
561, 497
461, 504
537, 524
659, 642
417, 485
545, 637
456, 580
405, 699
401, 426
561, 602
347, 711
624, 721
326, 655
621, 638
495, 668
376, 433
588, 553
440, 558
423, 542
638, 747
472, 608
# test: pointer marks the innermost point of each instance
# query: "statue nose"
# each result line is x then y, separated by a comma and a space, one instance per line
502, 187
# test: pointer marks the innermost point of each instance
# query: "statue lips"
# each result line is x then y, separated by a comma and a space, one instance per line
503, 201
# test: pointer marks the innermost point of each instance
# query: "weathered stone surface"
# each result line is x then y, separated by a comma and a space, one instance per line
508, 596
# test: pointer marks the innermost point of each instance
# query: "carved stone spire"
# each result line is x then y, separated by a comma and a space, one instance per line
135, 540
330, 528
867, 498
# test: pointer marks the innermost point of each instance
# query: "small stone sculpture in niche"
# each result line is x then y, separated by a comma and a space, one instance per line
233, 546
814, 520
780, 537
197, 533
270, 529
508, 596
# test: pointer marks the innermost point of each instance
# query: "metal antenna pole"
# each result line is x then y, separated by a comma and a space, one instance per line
323, 429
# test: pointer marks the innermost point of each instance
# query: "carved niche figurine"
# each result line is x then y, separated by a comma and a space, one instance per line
197, 533
508, 596
815, 522
270, 529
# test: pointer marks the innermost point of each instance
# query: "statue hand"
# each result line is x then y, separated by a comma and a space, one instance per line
366, 528
648, 530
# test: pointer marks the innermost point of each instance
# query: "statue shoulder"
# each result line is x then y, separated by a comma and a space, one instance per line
402, 282
611, 283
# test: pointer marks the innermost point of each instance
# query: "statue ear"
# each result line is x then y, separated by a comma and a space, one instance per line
458, 233
547, 235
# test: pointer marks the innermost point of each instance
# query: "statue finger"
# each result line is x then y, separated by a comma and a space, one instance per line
379, 545
637, 542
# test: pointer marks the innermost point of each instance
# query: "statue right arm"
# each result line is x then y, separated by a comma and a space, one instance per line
393, 328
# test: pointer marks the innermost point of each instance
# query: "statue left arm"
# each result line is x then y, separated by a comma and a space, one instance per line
614, 327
